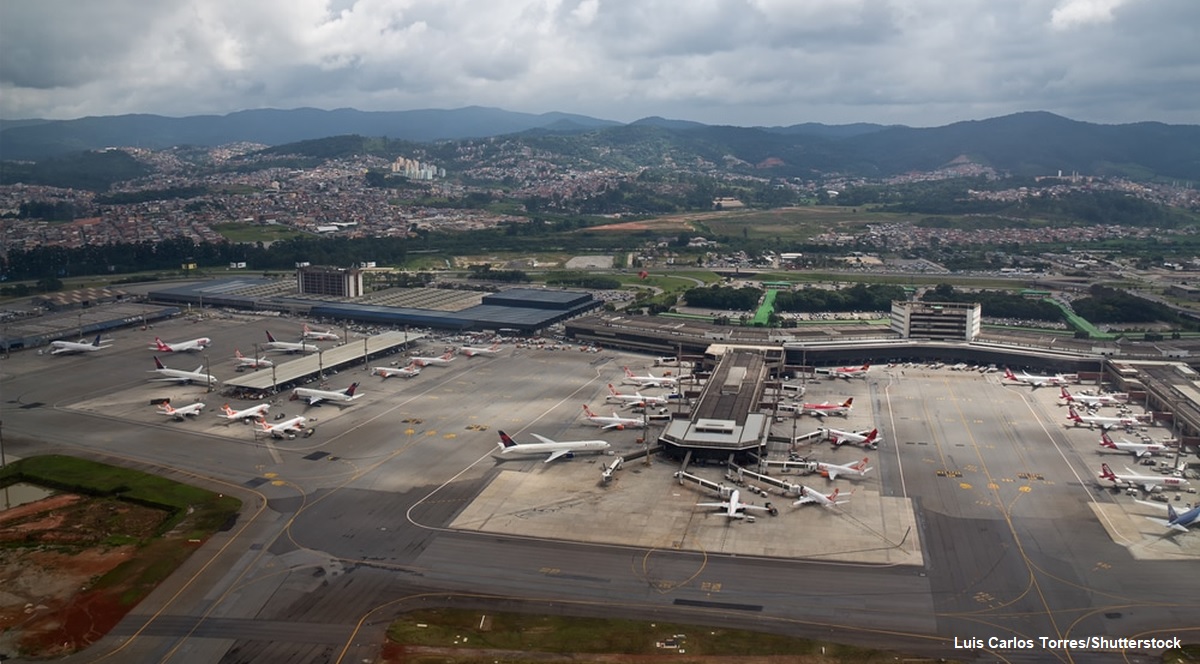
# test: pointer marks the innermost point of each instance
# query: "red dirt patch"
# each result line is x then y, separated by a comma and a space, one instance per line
51, 553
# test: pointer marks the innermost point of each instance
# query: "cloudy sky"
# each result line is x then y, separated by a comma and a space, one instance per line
741, 62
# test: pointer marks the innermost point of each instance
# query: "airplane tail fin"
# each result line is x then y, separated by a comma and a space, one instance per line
588, 411
238, 354
270, 337
1172, 515
350, 390
628, 373
158, 363
613, 391
227, 410
506, 442
861, 465
848, 402
161, 345
1107, 472
871, 436
1009, 374
1072, 415
448, 355
1062, 391
166, 407
833, 496
1106, 441
96, 341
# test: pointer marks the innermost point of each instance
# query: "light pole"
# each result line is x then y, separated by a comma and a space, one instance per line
321, 363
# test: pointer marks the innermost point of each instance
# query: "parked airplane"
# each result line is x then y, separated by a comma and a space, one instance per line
863, 438
649, 380
404, 372
289, 346
190, 410
316, 396
472, 352
439, 361
823, 409
284, 429
181, 376
632, 400
1101, 421
1035, 381
81, 346
813, 497
847, 372
251, 362
253, 412
182, 346
832, 470
555, 449
1148, 483
1174, 519
1137, 449
734, 507
317, 335
1092, 401
614, 422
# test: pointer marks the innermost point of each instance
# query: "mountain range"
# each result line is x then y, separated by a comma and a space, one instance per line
1032, 143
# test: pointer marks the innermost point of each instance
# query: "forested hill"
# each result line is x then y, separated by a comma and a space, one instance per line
1034, 143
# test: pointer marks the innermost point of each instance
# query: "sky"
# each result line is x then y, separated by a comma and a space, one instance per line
738, 62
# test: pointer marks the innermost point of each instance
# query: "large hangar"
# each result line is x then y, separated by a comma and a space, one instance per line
524, 309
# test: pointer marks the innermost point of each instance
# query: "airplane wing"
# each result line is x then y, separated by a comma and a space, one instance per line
721, 505
756, 508
832, 472
607, 427
556, 454
1167, 524
543, 439
314, 400
805, 500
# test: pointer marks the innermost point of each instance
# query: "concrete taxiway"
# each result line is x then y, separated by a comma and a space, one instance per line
981, 510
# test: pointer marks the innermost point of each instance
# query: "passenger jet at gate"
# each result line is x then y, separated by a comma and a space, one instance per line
832, 470
181, 346
649, 380
1175, 520
317, 335
316, 396
1101, 421
614, 422
190, 410
555, 449
847, 372
289, 346
1148, 483
734, 507
1035, 381
1092, 401
1138, 450
284, 429
813, 497
823, 409
251, 413
439, 361
494, 349
181, 376
403, 372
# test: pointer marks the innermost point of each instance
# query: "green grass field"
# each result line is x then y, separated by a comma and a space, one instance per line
559, 634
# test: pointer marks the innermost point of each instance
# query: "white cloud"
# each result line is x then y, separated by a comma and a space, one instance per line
1073, 13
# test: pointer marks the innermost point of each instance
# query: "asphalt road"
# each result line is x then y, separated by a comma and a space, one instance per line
347, 529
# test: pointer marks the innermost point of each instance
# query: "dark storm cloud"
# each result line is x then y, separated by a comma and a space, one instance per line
918, 62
